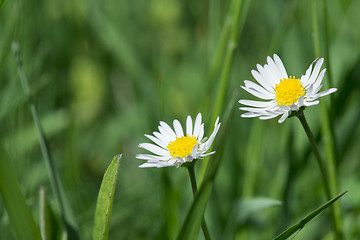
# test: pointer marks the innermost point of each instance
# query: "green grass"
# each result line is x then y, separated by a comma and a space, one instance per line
103, 73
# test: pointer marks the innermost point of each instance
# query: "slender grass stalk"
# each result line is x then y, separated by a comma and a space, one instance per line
194, 217
312, 140
191, 171
327, 127
225, 72
324, 173
233, 18
67, 218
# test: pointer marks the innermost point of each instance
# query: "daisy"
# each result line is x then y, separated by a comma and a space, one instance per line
284, 94
173, 147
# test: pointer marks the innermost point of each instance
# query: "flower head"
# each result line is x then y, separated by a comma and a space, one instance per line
284, 94
173, 148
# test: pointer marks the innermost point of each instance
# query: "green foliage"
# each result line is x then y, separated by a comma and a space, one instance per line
14, 201
104, 73
308, 218
105, 201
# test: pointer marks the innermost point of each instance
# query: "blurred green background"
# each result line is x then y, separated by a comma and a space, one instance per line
103, 73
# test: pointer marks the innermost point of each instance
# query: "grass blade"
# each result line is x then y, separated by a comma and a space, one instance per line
105, 200
67, 215
19, 213
287, 233
50, 225
195, 215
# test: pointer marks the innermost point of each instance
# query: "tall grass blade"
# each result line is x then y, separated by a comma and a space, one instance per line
67, 215
232, 23
19, 213
105, 200
327, 126
50, 226
287, 233
195, 215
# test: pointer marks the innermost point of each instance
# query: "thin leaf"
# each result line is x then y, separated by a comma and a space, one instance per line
66, 212
105, 200
19, 213
287, 233
50, 225
195, 215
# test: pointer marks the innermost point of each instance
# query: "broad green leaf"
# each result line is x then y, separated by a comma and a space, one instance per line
287, 233
50, 225
105, 200
19, 213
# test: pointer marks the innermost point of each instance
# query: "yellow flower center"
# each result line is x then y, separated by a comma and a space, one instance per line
182, 147
288, 91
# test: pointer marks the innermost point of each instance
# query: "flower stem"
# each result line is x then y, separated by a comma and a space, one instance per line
335, 211
194, 190
304, 123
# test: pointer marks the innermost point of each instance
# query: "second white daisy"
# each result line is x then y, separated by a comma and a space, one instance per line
174, 148
283, 94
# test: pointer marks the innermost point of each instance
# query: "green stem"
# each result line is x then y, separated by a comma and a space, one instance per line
335, 211
194, 190
304, 123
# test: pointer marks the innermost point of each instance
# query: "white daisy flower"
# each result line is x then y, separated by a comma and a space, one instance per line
284, 94
173, 148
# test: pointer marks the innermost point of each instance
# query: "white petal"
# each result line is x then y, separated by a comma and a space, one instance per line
308, 103
197, 125
164, 135
189, 158
305, 78
189, 125
274, 70
194, 150
257, 88
280, 66
266, 76
255, 110
274, 77
250, 115
201, 133
152, 157
163, 139
180, 160
212, 136
283, 117
316, 70
285, 107
294, 107
157, 164
257, 94
266, 117
154, 149
168, 130
156, 140
178, 128
207, 154
324, 93
301, 101
262, 81
319, 79
257, 103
